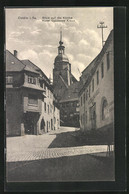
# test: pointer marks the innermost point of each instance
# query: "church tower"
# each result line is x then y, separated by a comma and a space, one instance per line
61, 71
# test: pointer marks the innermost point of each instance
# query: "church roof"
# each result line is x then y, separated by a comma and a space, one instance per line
71, 94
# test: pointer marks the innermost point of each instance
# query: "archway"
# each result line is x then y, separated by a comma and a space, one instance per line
42, 126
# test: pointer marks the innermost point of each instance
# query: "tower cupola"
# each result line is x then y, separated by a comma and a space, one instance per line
61, 57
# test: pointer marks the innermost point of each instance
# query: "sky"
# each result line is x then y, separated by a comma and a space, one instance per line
35, 34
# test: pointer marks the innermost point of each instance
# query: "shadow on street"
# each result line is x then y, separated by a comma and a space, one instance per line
73, 168
73, 139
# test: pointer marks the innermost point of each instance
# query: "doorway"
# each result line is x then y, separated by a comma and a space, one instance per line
94, 120
93, 116
30, 123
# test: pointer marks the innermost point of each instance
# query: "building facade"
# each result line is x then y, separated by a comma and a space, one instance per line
96, 96
66, 88
29, 98
69, 105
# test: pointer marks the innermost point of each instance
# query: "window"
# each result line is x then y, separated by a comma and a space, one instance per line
81, 119
9, 79
104, 109
51, 108
102, 70
32, 99
84, 97
48, 108
86, 94
54, 120
41, 84
108, 61
31, 80
81, 100
97, 77
45, 106
86, 117
44, 88
89, 90
92, 85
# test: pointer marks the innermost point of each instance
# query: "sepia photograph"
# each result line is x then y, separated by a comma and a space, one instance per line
59, 94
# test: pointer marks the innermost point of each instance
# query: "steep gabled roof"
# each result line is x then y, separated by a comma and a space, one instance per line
31, 65
28, 66
13, 63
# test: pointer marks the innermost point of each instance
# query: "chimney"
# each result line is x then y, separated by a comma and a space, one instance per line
15, 53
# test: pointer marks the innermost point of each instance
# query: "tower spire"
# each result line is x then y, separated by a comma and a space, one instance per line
60, 42
61, 34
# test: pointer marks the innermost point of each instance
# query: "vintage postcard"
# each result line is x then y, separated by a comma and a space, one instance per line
59, 94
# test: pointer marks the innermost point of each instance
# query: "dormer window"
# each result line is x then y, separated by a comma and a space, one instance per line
31, 80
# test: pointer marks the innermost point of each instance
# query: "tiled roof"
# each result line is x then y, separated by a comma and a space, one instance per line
63, 81
28, 66
13, 63
71, 93
33, 66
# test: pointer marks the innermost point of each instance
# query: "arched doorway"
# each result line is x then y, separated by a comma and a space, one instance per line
42, 125
104, 109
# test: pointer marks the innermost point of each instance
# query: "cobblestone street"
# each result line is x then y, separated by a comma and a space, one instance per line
36, 147
30, 153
